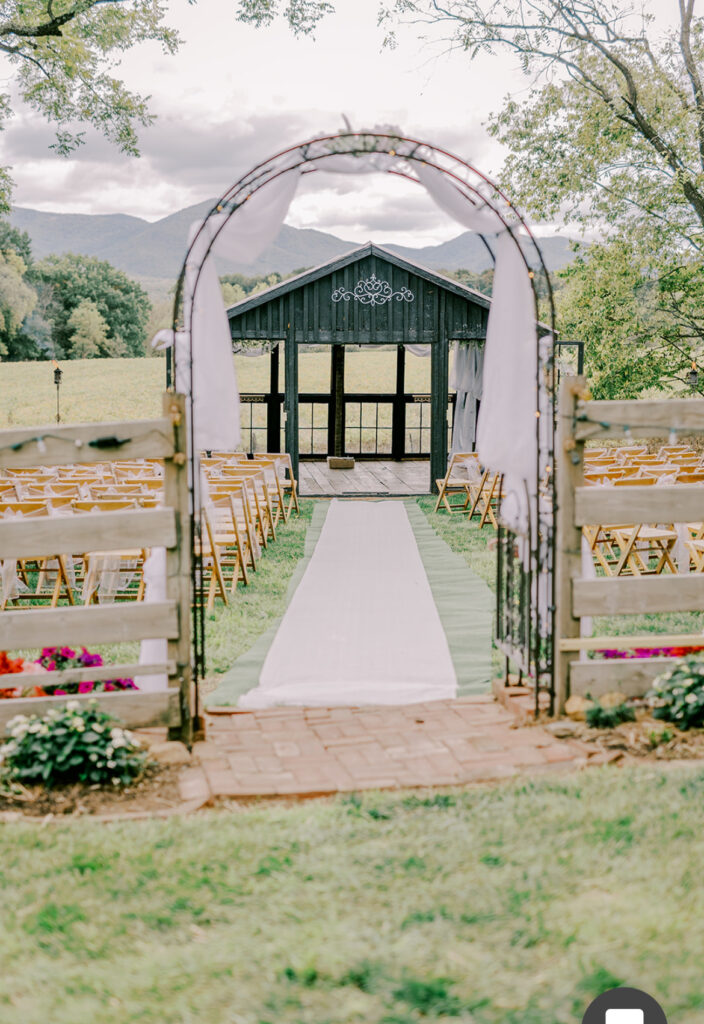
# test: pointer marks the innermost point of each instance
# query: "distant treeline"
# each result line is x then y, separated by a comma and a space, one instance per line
236, 287
77, 307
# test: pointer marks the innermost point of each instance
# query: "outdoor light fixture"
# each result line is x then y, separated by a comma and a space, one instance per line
693, 375
58, 374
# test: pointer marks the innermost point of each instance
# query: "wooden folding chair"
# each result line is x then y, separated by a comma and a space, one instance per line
270, 465
639, 544
254, 479
228, 538
454, 483
287, 481
484, 499
235, 497
212, 568
52, 580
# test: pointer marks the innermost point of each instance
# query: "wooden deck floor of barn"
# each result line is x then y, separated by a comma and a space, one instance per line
374, 477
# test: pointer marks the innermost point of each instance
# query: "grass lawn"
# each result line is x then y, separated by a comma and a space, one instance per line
515, 904
113, 389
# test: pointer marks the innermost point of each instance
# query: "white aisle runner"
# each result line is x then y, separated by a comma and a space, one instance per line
362, 626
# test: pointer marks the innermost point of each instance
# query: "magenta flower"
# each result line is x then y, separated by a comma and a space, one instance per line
85, 687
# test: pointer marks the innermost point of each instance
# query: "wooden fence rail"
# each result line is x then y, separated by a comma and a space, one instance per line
167, 527
579, 420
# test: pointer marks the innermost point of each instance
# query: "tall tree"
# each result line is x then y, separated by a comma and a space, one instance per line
89, 331
17, 300
611, 137
121, 302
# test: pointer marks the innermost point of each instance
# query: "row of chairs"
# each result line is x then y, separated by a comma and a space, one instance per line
618, 549
245, 500
628, 549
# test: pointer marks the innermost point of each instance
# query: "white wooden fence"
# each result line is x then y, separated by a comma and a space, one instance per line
167, 527
580, 420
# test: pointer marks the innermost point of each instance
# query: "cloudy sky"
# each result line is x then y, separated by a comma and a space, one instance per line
234, 95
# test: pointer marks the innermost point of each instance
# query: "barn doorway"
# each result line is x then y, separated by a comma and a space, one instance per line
366, 352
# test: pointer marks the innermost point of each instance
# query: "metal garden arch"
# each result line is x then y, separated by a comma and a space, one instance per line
524, 626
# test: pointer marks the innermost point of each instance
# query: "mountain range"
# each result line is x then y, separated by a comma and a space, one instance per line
152, 251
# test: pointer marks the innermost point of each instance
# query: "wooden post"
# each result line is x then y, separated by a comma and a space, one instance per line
291, 397
398, 422
438, 399
178, 567
336, 409
569, 470
273, 412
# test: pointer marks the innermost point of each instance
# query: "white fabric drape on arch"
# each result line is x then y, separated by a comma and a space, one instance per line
506, 431
241, 238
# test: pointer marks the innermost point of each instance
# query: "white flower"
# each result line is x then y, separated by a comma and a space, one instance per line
112, 764
73, 705
98, 728
19, 721
109, 751
115, 782
78, 725
34, 727
691, 698
44, 729
93, 757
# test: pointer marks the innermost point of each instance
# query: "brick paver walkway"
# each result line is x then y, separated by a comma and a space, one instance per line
311, 751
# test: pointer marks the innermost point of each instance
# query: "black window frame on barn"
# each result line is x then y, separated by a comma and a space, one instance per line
367, 297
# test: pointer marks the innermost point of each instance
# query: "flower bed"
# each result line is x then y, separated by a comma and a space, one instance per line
56, 659
651, 652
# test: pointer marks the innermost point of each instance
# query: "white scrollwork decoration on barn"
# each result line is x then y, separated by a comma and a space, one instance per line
372, 292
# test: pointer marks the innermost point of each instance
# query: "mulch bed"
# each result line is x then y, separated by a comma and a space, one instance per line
646, 738
156, 791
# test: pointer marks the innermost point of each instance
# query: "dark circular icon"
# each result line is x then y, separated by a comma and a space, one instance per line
624, 1006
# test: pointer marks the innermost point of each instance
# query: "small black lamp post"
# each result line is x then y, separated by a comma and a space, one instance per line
58, 374
693, 376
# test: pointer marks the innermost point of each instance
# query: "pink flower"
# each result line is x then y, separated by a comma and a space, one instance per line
51, 666
31, 668
59, 693
85, 687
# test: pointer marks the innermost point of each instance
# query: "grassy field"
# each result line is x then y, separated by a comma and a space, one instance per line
515, 904
114, 389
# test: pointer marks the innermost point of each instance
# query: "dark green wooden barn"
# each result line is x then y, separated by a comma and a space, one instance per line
369, 296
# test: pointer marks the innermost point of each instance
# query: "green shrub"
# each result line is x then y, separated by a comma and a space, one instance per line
599, 717
76, 743
678, 696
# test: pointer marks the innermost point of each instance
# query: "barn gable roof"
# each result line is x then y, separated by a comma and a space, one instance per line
340, 262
